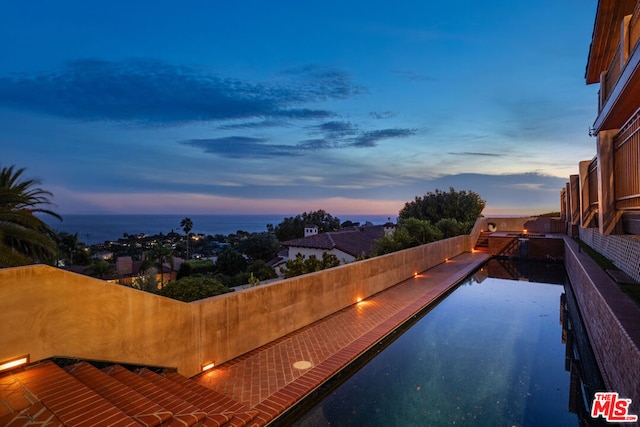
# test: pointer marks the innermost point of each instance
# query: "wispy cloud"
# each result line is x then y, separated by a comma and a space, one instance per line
238, 147
346, 134
318, 83
153, 92
477, 153
371, 138
334, 129
254, 125
382, 115
337, 136
529, 186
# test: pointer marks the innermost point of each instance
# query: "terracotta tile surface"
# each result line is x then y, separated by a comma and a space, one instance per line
181, 409
274, 377
143, 410
62, 395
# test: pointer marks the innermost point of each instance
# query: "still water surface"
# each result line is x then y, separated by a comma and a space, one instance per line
491, 353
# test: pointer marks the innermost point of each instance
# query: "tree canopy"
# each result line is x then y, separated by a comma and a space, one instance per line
194, 288
463, 206
24, 237
293, 227
302, 265
435, 216
409, 233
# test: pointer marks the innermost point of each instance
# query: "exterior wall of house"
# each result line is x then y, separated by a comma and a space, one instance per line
307, 252
611, 184
50, 312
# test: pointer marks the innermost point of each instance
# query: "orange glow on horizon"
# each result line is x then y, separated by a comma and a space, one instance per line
70, 201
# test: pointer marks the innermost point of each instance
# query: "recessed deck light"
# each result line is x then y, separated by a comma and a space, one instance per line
302, 364
208, 365
14, 363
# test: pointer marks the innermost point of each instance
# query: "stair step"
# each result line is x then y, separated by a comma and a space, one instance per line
217, 414
132, 403
220, 402
182, 410
70, 402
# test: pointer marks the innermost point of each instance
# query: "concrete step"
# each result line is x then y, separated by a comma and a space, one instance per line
238, 413
61, 400
213, 418
83, 395
483, 241
184, 413
132, 403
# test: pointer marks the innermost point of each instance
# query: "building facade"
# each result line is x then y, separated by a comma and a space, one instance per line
605, 194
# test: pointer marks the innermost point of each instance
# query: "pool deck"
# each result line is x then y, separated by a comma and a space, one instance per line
273, 378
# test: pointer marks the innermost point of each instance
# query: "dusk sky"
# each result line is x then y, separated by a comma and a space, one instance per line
217, 107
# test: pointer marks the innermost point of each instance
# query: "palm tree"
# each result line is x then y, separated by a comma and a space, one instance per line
162, 255
24, 238
186, 225
71, 250
101, 268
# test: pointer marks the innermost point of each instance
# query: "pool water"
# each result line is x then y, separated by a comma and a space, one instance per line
490, 353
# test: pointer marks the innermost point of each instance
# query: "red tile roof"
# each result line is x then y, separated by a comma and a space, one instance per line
354, 241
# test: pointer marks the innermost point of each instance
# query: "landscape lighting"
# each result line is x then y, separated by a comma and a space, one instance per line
14, 363
207, 365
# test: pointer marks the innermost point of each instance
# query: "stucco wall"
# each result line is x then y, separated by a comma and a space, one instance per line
48, 312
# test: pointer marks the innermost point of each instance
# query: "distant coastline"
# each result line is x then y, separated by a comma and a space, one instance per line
98, 228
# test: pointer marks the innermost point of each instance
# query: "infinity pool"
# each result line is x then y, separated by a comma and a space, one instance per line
491, 353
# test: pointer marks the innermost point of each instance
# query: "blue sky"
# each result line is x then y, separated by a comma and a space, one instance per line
207, 107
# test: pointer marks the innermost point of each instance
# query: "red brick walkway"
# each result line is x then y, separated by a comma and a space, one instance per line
274, 377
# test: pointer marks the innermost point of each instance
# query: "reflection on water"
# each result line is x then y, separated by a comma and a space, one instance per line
491, 353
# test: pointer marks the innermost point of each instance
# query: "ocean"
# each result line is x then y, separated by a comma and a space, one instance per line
93, 229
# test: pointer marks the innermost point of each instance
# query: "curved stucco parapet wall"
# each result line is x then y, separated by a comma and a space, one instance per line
47, 312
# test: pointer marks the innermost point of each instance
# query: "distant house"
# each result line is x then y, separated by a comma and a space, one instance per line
127, 270
346, 244
310, 230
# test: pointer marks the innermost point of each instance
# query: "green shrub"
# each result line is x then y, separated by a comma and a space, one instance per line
193, 288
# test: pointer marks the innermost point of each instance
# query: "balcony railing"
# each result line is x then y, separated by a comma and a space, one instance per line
610, 78
631, 36
592, 182
634, 26
626, 160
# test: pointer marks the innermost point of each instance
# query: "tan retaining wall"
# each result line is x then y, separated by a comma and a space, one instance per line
47, 312
517, 224
611, 322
